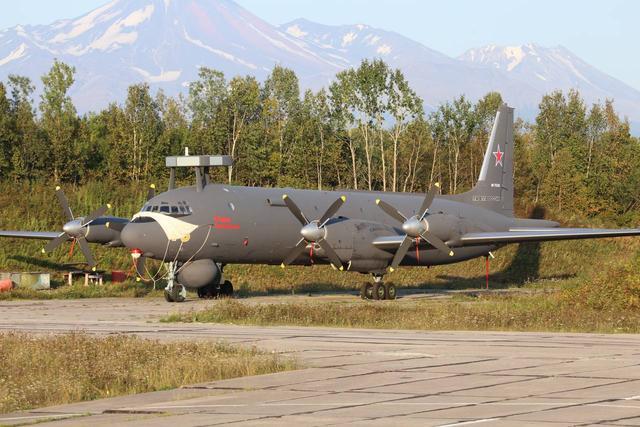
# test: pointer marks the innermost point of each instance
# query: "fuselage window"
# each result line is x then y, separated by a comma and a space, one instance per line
154, 209
182, 209
174, 209
164, 209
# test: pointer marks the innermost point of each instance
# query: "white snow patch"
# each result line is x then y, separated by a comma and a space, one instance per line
60, 24
114, 35
338, 57
348, 38
296, 31
567, 62
87, 22
515, 54
361, 27
371, 39
385, 49
167, 3
21, 31
139, 16
223, 54
541, 77
16, 54
163, 77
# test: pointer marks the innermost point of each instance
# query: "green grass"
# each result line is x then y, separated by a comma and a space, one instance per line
41, 371
127, 289
556, 265
491, 313
608, 302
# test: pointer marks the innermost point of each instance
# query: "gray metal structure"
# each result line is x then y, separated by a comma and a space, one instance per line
197, 230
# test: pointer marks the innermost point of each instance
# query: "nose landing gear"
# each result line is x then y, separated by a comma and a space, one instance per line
174, 292
378, 290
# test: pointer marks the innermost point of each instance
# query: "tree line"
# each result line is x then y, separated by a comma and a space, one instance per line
367, 130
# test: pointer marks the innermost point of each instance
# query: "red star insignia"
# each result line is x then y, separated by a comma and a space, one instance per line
498, 154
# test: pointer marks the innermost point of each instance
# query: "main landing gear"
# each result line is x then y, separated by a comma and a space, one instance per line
213, 291
378, 290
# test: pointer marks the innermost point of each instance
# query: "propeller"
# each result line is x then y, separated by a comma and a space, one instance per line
415, 227
75, 229
314, 232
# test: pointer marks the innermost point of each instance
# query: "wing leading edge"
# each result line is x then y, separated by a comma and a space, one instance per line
39, 235
541, 235
521, 235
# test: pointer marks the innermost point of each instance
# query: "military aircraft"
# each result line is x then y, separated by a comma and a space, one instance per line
195, 231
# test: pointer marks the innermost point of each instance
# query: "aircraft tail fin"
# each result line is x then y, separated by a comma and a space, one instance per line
494, 189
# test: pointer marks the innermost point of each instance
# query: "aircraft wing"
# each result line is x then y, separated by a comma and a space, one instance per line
542, 235
519, 235
40, 235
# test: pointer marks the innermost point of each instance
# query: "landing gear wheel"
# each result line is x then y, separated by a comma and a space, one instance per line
379, 291
390, 291
210, 291
226, 289
178, 293
174, 292
366, 291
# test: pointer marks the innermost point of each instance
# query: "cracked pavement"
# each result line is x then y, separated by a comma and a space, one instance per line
356, 377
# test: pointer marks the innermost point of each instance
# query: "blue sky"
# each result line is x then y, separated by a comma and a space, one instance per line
605, 33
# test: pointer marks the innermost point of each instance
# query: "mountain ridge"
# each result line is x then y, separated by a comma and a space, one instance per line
164, 42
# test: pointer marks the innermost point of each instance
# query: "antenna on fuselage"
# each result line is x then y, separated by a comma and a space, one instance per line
200, 163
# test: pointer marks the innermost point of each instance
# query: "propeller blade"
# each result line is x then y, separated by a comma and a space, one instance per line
333, 209
295, 210
437, 243
151, 193
56, 242
331, 254
96, 214
64, 204
391, 211
139, 264
426, 203
84, 247
295, 253
400, 253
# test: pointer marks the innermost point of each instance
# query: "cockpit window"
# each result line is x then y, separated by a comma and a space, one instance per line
181, 208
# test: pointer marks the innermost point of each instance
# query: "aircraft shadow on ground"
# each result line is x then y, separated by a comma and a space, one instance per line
524, 268
43, 263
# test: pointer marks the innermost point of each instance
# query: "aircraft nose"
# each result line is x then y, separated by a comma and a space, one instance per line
141, 235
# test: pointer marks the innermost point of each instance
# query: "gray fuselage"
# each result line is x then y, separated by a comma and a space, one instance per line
249, 225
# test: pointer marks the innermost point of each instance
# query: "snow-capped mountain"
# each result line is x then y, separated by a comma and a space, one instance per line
548, 69
165, 42
434, 75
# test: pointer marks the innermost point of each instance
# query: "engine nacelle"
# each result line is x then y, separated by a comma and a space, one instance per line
199, 273
103, 235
